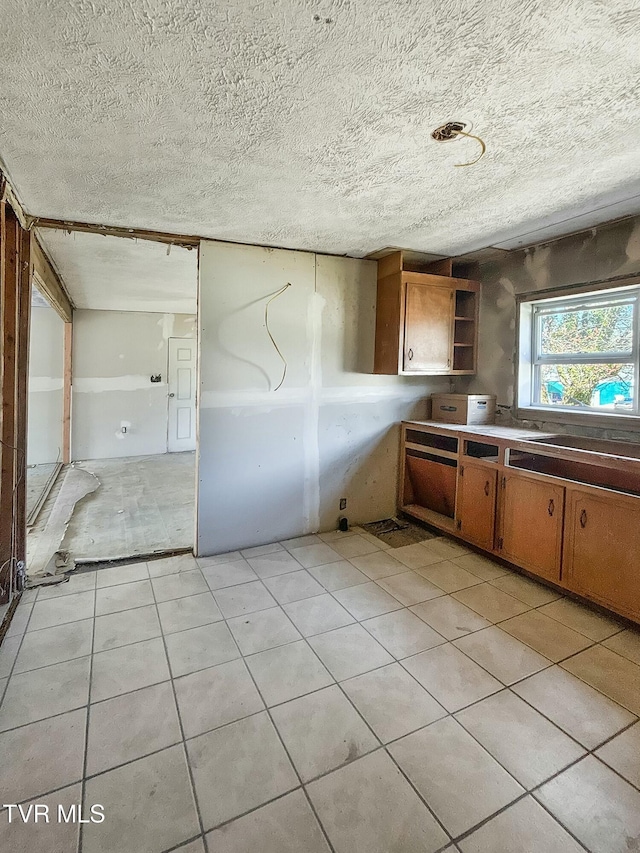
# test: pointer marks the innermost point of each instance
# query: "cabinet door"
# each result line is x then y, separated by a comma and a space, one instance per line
428, 328
602, 548
477, 503
531, 524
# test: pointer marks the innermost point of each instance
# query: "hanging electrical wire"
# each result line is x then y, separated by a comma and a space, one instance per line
451, 131
483, 147
266, 322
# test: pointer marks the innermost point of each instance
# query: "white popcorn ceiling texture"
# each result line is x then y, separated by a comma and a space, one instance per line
113, 274
307, 124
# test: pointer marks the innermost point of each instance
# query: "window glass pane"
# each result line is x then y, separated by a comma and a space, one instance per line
599, 386
604, 329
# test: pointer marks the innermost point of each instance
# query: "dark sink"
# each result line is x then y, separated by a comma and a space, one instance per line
593, 445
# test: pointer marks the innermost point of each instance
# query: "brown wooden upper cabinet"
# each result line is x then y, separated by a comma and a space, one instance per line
426, 324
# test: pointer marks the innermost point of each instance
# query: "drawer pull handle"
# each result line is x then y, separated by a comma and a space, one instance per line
551, 507
410, 354
487, 488
583, 519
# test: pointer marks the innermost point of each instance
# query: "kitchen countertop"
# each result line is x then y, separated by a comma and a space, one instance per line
623, 456
489, 430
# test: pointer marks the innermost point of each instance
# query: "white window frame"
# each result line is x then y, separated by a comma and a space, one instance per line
530, 359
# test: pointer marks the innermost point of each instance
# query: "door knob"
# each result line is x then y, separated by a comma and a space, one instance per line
410, 354
583, 519
172, 395
487, 488
551, 507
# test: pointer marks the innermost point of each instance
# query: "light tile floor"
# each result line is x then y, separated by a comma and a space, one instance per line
370, 702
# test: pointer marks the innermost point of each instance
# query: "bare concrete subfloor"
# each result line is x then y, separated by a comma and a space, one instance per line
144, 504
38, 477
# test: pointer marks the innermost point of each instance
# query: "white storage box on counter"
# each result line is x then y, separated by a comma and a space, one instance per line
464, 408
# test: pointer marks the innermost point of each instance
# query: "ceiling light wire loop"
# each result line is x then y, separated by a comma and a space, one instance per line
451, 131
483, 147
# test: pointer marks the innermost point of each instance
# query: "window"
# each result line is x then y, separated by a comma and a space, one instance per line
580, 354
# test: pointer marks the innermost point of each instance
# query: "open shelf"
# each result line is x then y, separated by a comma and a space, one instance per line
463, 357
466, 304
481, 450
435, 440
430, 517
464, 331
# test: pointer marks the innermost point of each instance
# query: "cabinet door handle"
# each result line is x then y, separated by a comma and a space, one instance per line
410, 354
551, 507
487, 488
583, 519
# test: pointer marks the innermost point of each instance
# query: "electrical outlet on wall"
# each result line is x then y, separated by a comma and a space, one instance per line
343, 503
125, 429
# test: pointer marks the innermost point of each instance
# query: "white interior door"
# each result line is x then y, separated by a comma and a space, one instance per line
182, 395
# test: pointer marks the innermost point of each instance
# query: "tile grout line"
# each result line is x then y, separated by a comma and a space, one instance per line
185, 752
80, 839
280, 738
449, 714
578, 759
182, 844
384, 745
405, 607
398, 660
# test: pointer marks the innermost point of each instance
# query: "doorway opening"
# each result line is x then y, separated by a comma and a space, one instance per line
45, 418
130, 473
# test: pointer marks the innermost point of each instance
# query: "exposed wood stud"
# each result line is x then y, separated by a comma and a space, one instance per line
15, 301
23, 322
49, 282
186, 241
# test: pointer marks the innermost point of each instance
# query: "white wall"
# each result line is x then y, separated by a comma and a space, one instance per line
275, 464
46, 361
114, 355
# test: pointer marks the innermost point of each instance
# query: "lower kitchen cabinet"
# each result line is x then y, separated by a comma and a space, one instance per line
531, 524
477, 503
602, 548
564, 508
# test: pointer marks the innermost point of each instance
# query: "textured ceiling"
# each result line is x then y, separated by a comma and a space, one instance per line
306, 124
114, 274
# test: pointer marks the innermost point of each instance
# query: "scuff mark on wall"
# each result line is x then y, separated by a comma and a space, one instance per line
275, 465
601, 253
115, 355
311, 510
46, 393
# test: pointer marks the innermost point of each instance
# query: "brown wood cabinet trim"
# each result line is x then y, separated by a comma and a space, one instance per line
446, 525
